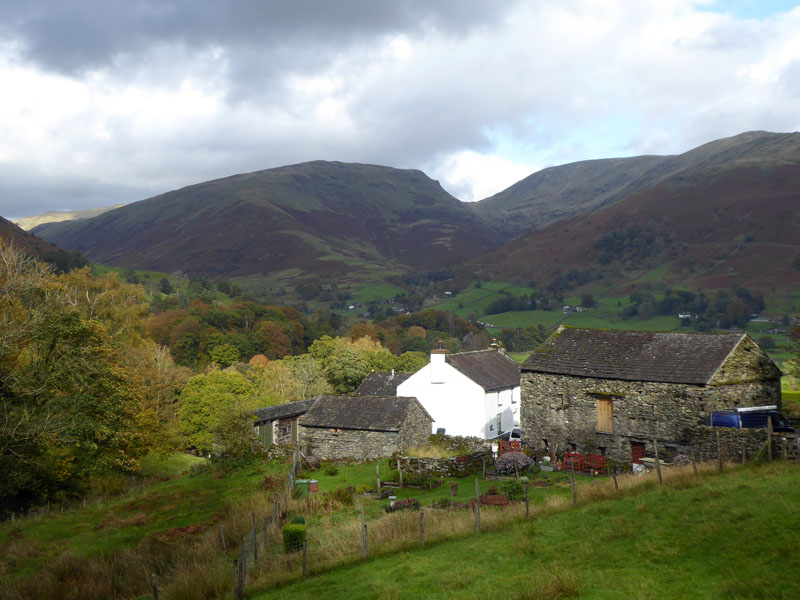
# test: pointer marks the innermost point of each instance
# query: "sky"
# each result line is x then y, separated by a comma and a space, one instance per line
112, 101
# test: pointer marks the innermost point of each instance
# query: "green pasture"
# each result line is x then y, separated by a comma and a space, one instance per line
729, 535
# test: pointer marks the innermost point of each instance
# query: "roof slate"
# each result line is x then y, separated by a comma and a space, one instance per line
370, 413
490, 369
633, 355
381, 384
282, 411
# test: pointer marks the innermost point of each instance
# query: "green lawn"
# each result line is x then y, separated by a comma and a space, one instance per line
716, 536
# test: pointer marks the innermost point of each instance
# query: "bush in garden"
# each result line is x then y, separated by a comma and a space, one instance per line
343, 495
294, 535
504, 465
298, 520
513, 489
331, 470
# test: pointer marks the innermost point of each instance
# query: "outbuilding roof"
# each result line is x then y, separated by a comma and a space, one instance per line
370, 413
282, 411
490, 369
381, 384
691, 358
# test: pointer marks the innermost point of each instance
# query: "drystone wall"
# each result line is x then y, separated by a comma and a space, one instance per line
460, 466
559, 412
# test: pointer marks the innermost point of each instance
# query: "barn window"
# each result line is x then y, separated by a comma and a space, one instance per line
605, 415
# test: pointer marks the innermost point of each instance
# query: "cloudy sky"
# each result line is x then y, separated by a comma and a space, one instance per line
112, 101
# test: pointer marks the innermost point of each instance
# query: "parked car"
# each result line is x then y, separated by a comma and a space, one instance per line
751, 417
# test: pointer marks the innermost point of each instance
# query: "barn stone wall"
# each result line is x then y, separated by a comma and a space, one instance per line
357, 444
563, 411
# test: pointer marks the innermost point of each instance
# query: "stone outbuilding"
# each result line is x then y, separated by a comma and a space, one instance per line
278, 424
363, 427
614, 392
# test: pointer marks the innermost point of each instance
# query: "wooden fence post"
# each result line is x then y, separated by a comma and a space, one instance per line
400, 472
769, 438
572, 483
243, 566
658, 463
154, 584
694, 464
477, 507
614, 477
378, 476
255, 540
364, 548
719, 452
527, 502
421, 528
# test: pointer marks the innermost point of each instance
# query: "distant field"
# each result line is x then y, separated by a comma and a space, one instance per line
550, 319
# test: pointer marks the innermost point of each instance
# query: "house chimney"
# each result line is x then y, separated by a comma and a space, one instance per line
437, 366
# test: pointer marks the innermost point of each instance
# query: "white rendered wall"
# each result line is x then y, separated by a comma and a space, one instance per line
457, 404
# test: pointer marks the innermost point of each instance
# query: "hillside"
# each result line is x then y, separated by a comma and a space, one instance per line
730, 217
317, 217
561, 192
28, 223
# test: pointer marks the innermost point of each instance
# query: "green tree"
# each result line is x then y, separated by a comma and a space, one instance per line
71, 399
345, 369
225, 355
207, 400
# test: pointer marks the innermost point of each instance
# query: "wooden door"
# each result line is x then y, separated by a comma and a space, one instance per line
638, 452
605, 415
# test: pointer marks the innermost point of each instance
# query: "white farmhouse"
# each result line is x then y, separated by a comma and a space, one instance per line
469, 393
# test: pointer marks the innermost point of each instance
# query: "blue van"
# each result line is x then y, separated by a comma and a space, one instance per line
750, 417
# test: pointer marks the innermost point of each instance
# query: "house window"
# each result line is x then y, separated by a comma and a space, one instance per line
605, 415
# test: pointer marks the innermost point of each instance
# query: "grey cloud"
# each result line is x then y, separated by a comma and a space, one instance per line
73, 35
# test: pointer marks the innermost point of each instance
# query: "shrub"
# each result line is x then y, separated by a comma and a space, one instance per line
343, 495
331, 470
294, 535
513, 489
297, 520
504, 465
363, 489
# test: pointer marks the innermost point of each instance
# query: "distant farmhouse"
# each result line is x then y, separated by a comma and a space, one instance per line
469, 393
613, 392
363, 427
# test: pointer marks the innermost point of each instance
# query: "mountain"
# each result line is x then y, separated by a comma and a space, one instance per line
316, 217
557, 193
725, 213
28, 223
61, 260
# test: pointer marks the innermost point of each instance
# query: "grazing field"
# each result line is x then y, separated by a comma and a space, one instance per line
714, 536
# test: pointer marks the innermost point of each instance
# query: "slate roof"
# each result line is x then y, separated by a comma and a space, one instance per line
490, 369
691, 358
370, 413
282, 411
381, 384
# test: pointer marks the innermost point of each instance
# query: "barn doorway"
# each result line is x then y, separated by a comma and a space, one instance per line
638, 452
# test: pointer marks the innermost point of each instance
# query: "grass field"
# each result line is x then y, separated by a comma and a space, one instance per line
716, 536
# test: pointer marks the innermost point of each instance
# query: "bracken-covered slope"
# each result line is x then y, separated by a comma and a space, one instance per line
316, 217
561, 192
730, 216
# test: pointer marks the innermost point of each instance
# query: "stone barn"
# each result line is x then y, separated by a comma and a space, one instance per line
278, 424
614, 392
363, 427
